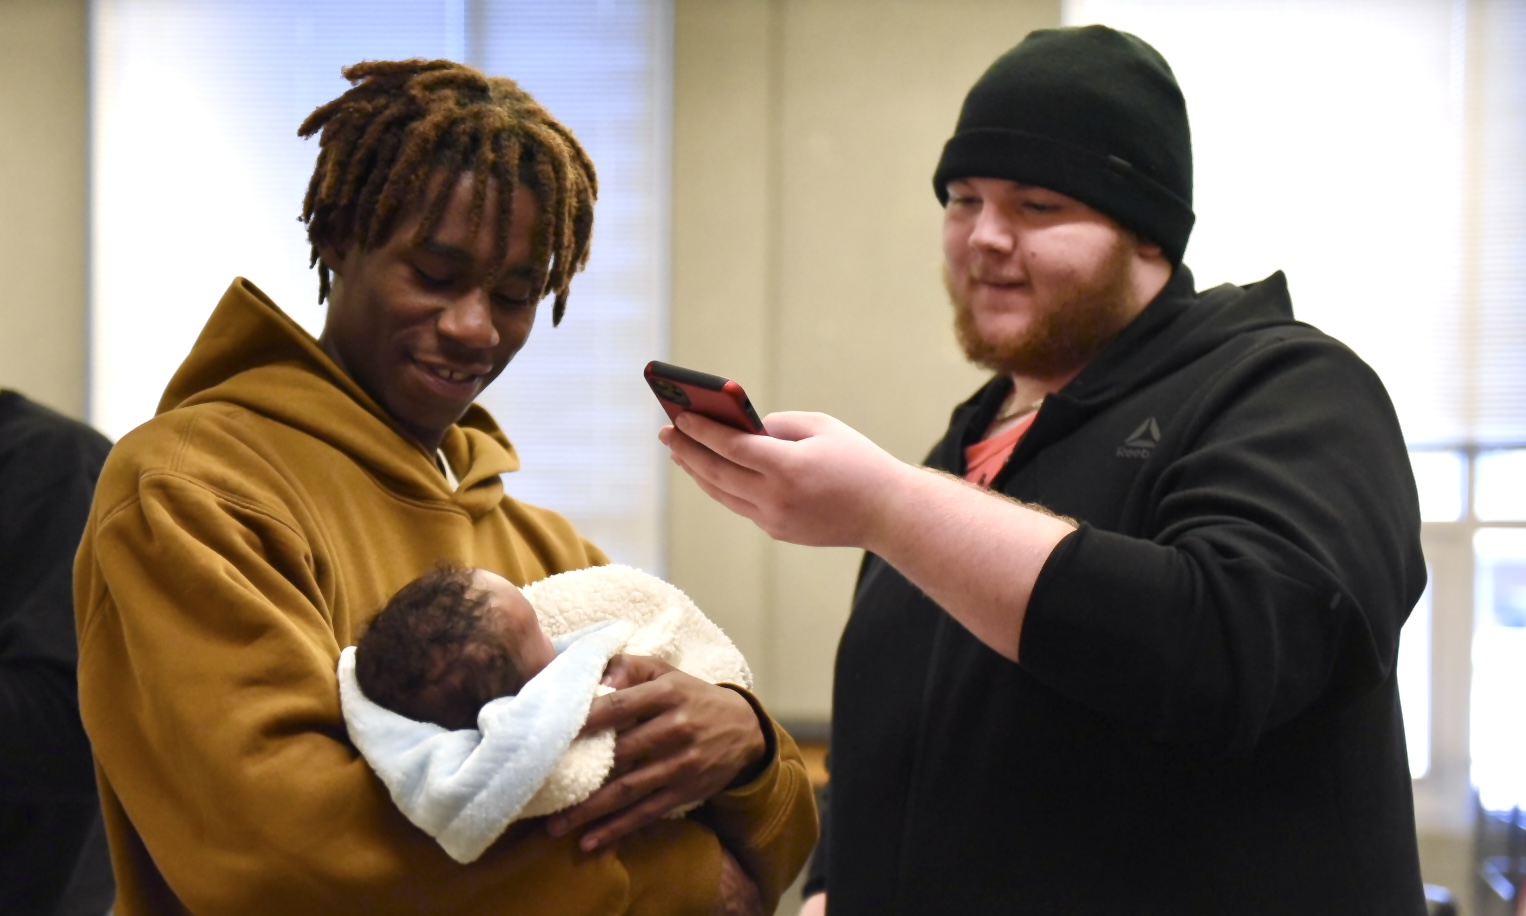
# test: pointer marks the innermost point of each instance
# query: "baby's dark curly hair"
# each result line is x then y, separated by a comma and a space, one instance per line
430, 653
403, 122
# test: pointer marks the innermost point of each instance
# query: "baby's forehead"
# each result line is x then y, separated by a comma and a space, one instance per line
506, 600
514, 601
495, 585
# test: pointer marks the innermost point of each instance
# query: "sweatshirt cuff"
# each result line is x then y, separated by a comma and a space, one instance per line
751, 779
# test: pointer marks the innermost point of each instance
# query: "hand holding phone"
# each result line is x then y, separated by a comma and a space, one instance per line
679, 389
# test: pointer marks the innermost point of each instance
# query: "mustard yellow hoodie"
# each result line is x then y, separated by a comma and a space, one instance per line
236, 543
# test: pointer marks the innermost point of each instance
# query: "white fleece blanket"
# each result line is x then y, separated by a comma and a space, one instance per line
524, 758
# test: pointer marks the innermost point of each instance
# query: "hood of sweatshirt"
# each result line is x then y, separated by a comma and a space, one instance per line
1176, 328
254, 356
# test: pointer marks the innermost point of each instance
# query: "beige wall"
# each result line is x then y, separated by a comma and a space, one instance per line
43, 200
806, 261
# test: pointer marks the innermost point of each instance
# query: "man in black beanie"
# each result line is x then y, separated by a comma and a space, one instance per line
1127, 643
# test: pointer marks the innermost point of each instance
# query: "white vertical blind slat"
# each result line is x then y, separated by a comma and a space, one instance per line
1499, 131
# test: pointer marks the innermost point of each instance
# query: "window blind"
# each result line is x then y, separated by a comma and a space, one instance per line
1376, 152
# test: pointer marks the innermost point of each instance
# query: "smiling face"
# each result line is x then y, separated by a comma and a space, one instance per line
424, 328
1039, 281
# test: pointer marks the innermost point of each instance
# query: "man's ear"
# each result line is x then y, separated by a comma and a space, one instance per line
337, 243
333, 256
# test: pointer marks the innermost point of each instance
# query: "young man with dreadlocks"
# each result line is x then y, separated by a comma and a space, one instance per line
222, 571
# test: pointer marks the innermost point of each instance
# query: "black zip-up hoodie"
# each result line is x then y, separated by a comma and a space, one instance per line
1204, 718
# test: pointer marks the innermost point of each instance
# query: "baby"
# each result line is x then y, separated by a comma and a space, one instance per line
447, 643
467, 696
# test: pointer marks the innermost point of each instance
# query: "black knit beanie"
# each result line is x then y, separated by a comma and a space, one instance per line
1090, 112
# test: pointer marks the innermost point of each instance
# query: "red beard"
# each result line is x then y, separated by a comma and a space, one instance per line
1070, 327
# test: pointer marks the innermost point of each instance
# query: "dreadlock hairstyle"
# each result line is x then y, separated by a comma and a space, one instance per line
402, 123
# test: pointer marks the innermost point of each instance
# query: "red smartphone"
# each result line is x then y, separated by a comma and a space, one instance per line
679, 389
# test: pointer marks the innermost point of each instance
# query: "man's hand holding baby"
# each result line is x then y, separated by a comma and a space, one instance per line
679, 741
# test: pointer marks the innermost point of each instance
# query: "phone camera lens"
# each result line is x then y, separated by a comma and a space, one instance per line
671, 392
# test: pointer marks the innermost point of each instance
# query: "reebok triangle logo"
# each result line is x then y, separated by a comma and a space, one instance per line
1142, 441
1146, 436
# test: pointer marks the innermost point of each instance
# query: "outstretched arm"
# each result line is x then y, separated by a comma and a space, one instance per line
1272, 535
817, 482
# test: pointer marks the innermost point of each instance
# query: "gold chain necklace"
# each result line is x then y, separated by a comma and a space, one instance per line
1010, 411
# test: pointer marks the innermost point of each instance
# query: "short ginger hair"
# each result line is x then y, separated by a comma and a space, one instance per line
404, 122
